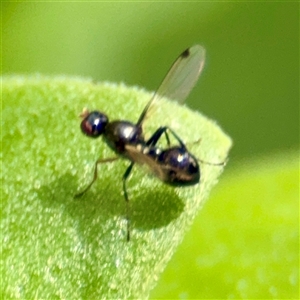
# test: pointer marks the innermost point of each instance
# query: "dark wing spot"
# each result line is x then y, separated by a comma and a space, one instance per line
185, 53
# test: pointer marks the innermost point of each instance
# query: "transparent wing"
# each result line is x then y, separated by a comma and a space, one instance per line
180, 79
143, 159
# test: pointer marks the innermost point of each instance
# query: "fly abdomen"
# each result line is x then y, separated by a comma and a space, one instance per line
180, 167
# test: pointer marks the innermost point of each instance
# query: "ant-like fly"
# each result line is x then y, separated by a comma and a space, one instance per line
174, 165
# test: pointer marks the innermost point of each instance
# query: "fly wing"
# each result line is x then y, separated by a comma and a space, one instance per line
143, 159
180, 79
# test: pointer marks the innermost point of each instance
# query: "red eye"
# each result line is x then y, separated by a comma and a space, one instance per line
94, 124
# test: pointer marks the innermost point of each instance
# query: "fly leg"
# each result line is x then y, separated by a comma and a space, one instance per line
99, 161
125, 177
223, 163
157, 135
164, 130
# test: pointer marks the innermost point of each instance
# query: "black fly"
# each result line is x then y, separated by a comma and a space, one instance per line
174, 165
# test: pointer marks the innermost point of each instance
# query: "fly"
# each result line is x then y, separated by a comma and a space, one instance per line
174, 165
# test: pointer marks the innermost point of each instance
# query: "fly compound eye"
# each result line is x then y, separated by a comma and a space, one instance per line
93, 125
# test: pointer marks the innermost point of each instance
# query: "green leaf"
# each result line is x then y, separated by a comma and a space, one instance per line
245, 243
54, 246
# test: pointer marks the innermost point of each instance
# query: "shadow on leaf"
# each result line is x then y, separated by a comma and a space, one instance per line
156, 208
149, 208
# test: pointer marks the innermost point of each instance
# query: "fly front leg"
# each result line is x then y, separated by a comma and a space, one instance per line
99, 161
125, 177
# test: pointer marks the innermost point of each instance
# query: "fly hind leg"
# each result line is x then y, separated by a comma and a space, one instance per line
157, 135
164, 130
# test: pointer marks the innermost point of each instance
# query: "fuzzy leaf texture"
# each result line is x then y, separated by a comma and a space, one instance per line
54, 246
247, 244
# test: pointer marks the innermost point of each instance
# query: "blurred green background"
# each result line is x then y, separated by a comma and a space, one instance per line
250, 84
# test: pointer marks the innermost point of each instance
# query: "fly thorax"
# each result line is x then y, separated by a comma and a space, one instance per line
118, 134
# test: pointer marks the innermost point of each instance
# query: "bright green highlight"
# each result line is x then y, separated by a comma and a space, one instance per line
58, 247
245, 243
